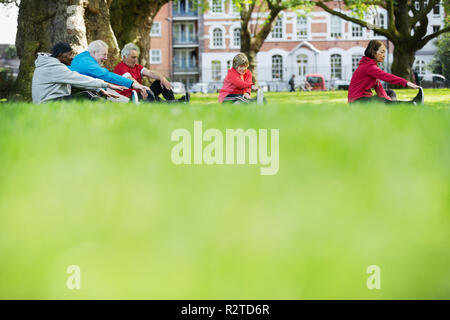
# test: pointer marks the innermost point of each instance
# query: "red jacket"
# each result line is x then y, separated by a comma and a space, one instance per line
125, 71
236, 83
368, 76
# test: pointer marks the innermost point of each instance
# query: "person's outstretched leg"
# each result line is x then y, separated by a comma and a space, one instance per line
157, 90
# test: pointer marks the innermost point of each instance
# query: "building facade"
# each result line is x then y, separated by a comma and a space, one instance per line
202, 46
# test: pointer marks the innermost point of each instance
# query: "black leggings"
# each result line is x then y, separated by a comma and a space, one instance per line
156, 90
389, 92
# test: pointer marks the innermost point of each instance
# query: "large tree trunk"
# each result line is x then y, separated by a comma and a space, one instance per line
404, 57
42, 23
132, 22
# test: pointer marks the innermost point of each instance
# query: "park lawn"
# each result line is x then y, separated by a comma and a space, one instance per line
93, 185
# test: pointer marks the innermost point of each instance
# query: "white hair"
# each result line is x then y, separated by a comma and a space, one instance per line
96, 46
128, 48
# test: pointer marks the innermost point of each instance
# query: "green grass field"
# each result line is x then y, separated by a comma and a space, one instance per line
93, 185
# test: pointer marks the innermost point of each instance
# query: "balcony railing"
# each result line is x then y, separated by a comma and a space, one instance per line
177, 40
180, 13
185, 69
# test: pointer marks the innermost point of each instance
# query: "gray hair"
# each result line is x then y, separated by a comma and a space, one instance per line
128, 48
96, 46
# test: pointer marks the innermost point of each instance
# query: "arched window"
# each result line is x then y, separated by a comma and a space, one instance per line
217, 37
237, 37
419, 66
336, 66
277, 67
302, 60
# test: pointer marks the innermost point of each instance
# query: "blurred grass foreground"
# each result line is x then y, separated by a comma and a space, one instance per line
93, 185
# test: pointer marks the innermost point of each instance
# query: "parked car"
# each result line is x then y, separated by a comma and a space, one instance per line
433, 80
178, 88
337, 84
200, 87
317, 81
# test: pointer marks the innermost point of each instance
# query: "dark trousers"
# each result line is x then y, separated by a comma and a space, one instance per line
156, 91
391, 93
81, 95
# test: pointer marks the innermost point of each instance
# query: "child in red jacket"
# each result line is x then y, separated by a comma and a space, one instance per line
368, 76
238, 84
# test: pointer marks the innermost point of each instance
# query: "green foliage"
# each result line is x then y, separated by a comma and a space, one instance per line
11, 52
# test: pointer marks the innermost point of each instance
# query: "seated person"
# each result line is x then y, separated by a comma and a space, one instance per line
130, 69
89, 63
238, 84
368, 76
52, 79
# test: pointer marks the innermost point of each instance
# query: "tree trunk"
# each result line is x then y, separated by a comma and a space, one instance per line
404, 57
98, 27
42, 23
132, 21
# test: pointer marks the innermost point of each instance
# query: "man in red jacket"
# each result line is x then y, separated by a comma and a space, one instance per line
129, 68
368, 76
238, 83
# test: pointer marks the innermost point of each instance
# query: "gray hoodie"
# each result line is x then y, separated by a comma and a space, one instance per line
53, 79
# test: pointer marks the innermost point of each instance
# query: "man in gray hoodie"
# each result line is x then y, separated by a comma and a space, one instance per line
53, 79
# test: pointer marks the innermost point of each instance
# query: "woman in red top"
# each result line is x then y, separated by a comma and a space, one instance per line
238, 84
368, 76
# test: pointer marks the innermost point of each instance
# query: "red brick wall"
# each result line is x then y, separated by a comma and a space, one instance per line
163, 42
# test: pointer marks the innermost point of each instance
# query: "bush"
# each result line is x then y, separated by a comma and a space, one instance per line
6, 82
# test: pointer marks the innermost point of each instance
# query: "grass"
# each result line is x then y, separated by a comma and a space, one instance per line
93, 185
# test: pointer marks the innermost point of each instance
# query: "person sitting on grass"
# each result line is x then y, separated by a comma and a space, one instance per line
89, 63
368, 76
238, 83
129, 68
52, 79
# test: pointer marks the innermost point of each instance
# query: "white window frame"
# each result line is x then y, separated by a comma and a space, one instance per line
216, 70
334, 33
280, 66
420, 66
305, 27
302, 63
152, 56
186, 31
158, 34
279, 19
232, 8
211, 37
334, 70
358, 30
212, 8
355, 61
232, 43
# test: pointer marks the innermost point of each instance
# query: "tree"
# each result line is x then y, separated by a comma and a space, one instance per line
254, 35
132, 21
406, 28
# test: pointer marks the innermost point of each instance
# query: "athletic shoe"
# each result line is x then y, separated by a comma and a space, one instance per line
185, 99
419, 98
134, 97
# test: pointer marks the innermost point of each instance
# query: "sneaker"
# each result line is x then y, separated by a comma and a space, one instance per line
186, 98
419, 98
134, 97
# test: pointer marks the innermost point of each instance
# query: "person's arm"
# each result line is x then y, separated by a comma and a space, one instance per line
377, 73
63, 75
102, 73
236, 80
380, 90
158, 76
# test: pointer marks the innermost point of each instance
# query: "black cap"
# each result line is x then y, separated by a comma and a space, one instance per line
60, 47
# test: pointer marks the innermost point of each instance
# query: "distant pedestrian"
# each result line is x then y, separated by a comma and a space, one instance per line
292, 83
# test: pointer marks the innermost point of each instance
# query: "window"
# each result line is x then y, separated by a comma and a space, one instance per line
277, 67
216, 74
436, 28
335, 28
336, 66
229, 64
184, 33
355, 61
217, 6
155, 56
417, 4
185, 60
419, 67
381, 20
277, 32
237, 37
217, 38
184, 8
357, 31
156, 29
302, 27
302, 61
437, 9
